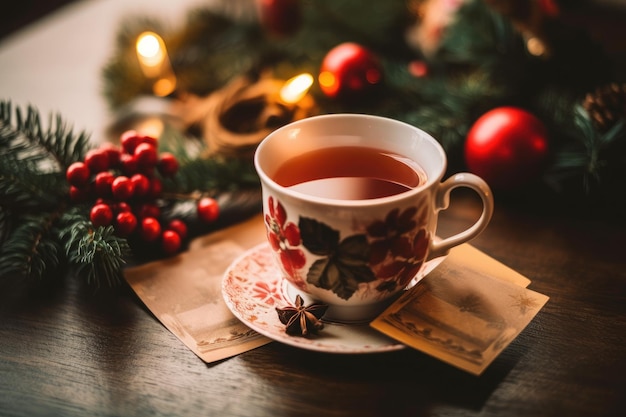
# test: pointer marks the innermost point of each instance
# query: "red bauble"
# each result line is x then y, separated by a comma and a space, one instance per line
208, 209
280, 17
348, 69
507, 147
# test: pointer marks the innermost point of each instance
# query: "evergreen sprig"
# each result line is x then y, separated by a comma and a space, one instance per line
42, 232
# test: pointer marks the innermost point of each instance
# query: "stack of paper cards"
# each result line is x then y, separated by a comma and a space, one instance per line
465, 312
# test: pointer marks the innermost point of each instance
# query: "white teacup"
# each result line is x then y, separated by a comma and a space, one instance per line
342, 230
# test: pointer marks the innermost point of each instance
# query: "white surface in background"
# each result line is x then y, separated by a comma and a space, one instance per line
56, 63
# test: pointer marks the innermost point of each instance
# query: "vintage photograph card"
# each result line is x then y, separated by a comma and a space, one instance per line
184, 292
465, 312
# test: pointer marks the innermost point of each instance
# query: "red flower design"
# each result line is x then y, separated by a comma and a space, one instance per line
410, 255
284, 237
266, 293
389, 235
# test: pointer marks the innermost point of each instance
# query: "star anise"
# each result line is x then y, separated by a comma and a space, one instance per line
300, 319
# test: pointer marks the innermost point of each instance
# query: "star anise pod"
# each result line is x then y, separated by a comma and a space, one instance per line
300, 319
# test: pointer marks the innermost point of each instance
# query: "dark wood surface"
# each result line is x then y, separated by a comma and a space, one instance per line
69, 352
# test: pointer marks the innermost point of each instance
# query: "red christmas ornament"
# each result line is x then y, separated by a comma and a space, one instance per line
507, 147
349, 68
280, 17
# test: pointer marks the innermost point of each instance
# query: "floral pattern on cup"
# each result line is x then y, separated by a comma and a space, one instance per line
398, 247
284, 238
389, 253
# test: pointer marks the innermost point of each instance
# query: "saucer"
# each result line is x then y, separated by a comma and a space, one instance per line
253, 288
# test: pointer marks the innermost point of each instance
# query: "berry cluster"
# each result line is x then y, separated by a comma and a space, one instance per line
125, 183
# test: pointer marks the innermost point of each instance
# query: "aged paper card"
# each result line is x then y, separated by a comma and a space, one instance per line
465, 312
184, 292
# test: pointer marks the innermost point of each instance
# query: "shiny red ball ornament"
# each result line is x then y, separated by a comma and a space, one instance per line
507, 147
349, 69
280, 17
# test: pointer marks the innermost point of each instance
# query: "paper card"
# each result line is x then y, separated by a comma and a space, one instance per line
185, 292
465, 312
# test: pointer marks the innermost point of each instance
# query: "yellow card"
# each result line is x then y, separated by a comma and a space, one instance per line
465, 312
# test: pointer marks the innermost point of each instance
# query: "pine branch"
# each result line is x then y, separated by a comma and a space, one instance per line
31, 250
96, 254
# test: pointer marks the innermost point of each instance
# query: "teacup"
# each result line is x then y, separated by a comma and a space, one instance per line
351, 205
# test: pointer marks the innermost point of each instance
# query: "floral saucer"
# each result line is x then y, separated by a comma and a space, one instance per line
253, 287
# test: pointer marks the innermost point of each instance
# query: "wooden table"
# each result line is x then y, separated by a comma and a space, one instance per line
67, 351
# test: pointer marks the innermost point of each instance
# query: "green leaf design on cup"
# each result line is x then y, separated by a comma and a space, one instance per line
344, 264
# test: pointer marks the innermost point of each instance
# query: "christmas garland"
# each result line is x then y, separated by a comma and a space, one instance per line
447, 86
59, 193
491, 55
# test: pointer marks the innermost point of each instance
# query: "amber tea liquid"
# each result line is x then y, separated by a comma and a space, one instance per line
350, 173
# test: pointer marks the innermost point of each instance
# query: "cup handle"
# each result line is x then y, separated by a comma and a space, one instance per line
442, 200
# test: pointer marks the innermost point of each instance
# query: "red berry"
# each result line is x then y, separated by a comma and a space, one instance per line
128, 164
122, 188
168, 164
150, 229
103, 182
208, 209
148, 210
129, 140
146, 155
156, 187
101, 215
126, 222
78, 174
141, 184
170, 242
79, 194
150, 140
179, 227
121, 206
112, 152
97, 160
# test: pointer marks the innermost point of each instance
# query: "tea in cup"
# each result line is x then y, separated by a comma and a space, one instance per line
351, 204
